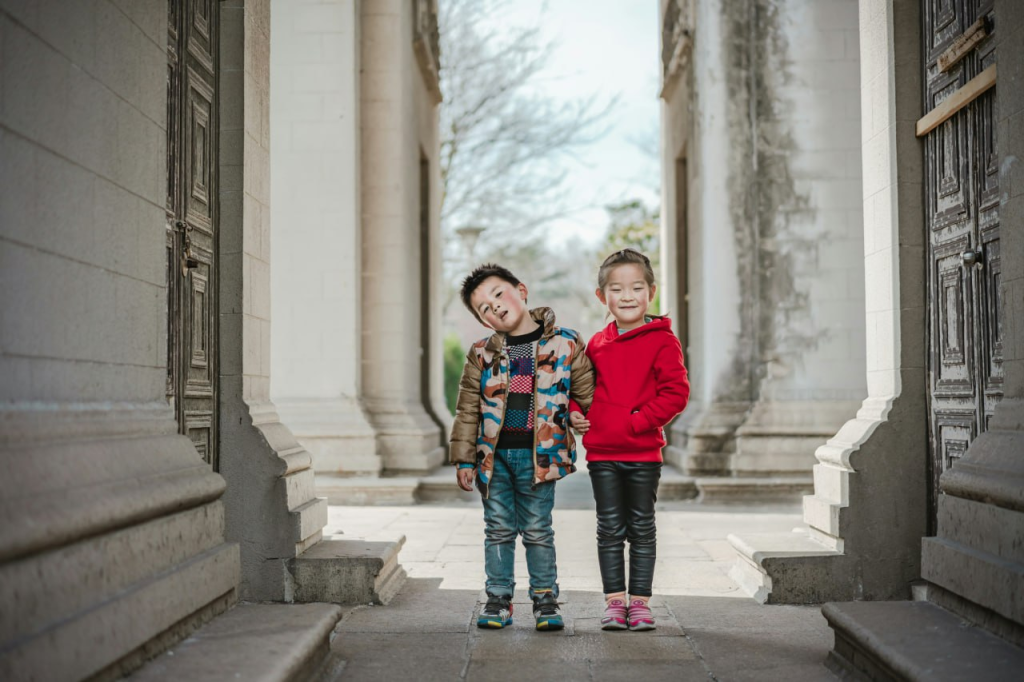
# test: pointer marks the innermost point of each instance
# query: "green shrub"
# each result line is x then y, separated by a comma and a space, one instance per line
454, 359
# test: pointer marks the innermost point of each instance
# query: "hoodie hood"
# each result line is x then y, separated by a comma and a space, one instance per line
658, 324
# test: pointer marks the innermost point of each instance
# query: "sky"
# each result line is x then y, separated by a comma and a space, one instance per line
608, 47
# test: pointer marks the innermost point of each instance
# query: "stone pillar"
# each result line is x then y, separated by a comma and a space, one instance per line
272, 510
315, 218
111, 525
399, 145
868, 511
804, 203
697, 214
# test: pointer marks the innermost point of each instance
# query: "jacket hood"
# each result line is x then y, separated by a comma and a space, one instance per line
543, 316
658, 324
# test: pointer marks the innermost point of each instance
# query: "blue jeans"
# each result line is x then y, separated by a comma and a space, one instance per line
514, 508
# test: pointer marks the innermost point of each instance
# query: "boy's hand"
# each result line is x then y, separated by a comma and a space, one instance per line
579, 422
464, 476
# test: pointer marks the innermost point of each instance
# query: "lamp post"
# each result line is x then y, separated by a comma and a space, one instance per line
469, 235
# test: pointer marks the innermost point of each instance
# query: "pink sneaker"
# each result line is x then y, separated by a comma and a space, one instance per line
614, 615
640, 616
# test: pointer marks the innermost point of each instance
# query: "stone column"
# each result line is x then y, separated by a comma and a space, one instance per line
399, 132
868, 511
111, 525
718, 350
804, 203
272, 510
315, 218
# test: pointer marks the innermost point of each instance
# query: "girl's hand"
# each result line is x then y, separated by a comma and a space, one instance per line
464, 476
579, 422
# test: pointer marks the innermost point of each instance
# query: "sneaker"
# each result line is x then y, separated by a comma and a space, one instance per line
640, 616
545, 610
614, 615
496, 613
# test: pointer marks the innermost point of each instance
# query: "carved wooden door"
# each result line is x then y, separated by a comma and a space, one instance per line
191, 232
965, 351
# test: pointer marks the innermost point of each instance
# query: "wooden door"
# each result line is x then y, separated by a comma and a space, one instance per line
965, 350
191, 230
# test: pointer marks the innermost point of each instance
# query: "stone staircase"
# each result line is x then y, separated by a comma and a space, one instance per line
915, 640
288, 642
252, 642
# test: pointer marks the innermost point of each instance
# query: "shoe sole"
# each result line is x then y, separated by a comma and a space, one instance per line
642, 627
493, 624
614, 626
550, 625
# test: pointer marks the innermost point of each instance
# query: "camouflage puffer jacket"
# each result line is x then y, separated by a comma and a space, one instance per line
563, 371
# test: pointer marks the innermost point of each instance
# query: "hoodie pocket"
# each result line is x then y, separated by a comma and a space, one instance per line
610, 430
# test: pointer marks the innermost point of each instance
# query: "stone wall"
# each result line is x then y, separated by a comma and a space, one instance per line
111, 526
316, 280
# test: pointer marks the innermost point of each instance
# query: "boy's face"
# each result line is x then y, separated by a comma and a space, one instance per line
501, 306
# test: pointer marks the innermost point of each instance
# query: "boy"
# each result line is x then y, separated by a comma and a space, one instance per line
510, 434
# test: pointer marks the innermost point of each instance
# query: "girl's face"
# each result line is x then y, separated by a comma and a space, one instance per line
627, 295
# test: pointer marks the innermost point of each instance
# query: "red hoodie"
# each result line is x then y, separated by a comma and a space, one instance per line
641, 387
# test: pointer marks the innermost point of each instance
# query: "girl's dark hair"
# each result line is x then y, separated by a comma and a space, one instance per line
625, 256
477, 277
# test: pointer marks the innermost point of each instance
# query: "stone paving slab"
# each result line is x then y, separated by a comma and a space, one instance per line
429, 657
707, 628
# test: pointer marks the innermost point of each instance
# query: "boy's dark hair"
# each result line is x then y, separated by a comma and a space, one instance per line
477, 277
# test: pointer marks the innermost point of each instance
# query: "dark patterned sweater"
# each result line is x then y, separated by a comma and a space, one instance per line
517, 430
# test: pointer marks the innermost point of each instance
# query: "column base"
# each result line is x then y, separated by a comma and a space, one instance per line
709, 439
779, 438
408, 440
336, 432
111, 539
272, 507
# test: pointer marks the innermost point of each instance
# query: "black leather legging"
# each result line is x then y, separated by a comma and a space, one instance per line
625, 493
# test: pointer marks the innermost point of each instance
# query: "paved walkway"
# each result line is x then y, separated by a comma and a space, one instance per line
707, 628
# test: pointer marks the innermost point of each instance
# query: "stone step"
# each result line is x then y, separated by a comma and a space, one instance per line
755, 553
915, 641
253, 642
674, 485
439, 486
368, 491
743, 490
342, 571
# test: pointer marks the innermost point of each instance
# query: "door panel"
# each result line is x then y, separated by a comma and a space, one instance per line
192, 220
962, 213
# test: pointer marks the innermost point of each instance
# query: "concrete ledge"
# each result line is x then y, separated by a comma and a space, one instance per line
754, 489
785, 568
343, 571
915, 641
258, 642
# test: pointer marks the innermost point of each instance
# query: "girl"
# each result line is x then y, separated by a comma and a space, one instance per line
641, 386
